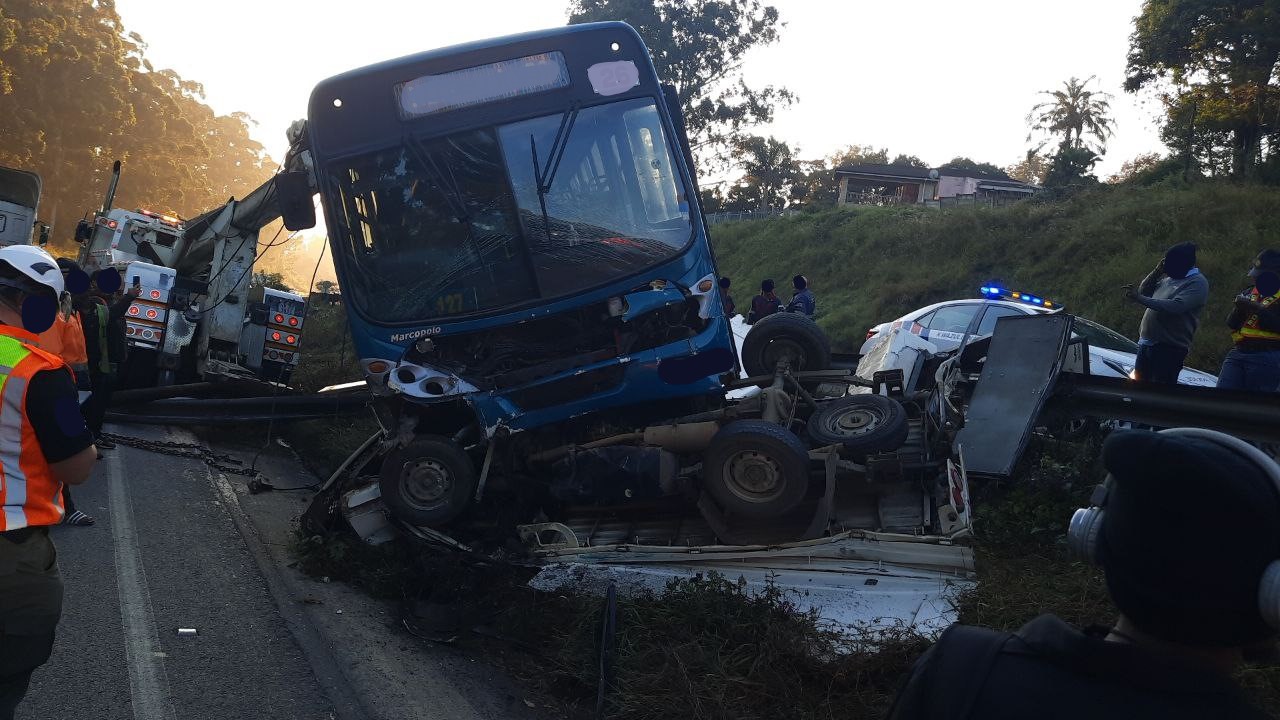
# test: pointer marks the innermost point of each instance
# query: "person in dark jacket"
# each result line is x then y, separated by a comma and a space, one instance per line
802, 301
1254, 361
730, 307
103, 313
764, 304
1173, 293
1187, 531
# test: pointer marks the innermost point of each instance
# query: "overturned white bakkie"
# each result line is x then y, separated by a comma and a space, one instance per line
879, 536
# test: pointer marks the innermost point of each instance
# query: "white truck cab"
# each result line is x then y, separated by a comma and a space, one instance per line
19, 202
122, 237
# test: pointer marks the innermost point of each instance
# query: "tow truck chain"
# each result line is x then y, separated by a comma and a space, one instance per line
190, 451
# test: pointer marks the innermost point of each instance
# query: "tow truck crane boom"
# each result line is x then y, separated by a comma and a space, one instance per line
198, 274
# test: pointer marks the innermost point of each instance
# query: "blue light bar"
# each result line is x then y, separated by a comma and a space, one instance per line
994, 291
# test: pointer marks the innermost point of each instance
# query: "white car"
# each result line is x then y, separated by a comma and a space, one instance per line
946, 324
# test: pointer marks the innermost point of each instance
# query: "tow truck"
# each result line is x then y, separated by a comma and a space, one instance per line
196, 317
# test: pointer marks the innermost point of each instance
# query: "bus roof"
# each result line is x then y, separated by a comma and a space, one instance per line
469, 51
359, 110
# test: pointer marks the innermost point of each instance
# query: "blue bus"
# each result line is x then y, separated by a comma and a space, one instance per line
516, 231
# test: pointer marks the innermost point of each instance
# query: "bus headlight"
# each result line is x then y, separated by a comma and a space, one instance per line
702, 291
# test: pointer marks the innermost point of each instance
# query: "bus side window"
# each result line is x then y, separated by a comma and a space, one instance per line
656, 178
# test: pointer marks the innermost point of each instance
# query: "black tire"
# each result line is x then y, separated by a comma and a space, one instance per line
756, 469
861, 423
785, 334
428, 482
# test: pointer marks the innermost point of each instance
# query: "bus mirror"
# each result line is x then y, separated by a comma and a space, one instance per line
43, 235
84, 231
293, 192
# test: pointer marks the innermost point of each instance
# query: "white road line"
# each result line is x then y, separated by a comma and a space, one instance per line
148, 685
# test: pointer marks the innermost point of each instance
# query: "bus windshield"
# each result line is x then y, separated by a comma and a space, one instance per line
460, 224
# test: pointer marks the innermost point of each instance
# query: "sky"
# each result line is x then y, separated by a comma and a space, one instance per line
932, 78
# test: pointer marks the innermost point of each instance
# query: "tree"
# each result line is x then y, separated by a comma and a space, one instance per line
858, 155
1131, 169
1070, 168
770, 169
326, 286
1073, 113
78, 92
698, 46
965, 164
1033, 169
1215, 63
909, 161
273, 280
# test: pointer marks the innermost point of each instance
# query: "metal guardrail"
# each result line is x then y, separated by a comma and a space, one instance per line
232, 411
1253, 416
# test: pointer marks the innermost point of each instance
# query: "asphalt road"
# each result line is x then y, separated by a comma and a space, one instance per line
166, 554
179, 546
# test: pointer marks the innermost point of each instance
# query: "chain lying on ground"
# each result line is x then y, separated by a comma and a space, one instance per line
191, 451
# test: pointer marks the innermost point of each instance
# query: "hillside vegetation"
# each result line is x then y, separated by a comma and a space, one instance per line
872, 264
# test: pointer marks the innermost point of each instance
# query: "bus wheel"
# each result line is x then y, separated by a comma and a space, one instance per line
785, 335
861, 423
756, 469
427, 482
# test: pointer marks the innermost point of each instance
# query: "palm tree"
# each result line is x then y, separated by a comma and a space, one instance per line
1074, 112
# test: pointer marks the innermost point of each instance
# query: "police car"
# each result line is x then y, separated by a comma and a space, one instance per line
946, 324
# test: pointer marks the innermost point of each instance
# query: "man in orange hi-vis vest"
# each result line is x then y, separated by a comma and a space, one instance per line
44, 445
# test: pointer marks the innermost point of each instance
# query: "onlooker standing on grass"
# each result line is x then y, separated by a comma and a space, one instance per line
730, 308
802, 301
1254, 362
1174, 293
1191, 603
764, 304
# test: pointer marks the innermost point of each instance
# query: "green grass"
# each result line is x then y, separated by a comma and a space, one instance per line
328, 356
869, 265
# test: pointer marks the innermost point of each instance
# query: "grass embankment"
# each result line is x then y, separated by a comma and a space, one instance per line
873, 264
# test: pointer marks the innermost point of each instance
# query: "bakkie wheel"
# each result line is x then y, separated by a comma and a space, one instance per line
861, 423
428, 482
787, 335
756, 469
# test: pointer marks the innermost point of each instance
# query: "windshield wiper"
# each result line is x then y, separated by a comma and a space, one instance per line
545, 176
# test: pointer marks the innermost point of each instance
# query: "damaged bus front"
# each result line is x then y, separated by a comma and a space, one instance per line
530, 287
517, 236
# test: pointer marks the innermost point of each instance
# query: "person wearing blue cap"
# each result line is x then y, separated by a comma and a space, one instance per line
1186, 530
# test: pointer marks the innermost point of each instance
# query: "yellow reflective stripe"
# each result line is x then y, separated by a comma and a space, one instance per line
1250, 329
12, 391
12, 351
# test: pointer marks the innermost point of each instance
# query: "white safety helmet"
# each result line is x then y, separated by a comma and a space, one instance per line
35, 264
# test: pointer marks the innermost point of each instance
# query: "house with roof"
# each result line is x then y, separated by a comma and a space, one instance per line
938, 187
